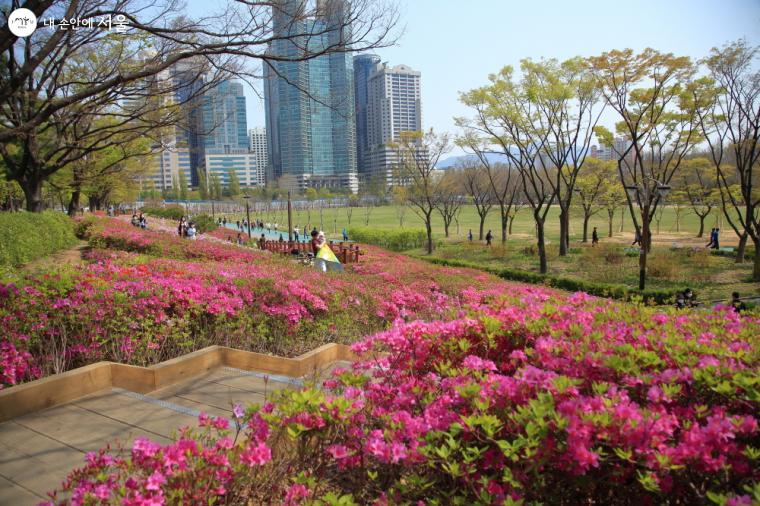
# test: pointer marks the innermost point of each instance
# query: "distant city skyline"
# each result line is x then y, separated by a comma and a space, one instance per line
456, 47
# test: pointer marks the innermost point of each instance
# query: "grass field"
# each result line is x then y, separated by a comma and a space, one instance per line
678, 259
332, 221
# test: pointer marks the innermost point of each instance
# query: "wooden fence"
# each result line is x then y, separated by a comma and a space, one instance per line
346, 253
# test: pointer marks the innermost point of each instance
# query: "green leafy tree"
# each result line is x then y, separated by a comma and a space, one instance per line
203, 189
233, 188
216, 186
658, 123
590, 186
182, 189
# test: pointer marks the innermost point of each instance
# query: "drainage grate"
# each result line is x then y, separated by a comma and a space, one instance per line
158, 402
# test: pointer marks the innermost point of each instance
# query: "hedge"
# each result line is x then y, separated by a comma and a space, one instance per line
173, 212
204, 223
749, 253
28, 236
612, 291
394, 240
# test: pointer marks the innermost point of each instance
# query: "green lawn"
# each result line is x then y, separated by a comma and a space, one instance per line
332, 221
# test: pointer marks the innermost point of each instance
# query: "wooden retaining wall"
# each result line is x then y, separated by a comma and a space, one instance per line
71, 385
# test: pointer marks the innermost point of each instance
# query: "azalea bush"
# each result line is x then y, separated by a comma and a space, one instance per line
523, 397
145, 296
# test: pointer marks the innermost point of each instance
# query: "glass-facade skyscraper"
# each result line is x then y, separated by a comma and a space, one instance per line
224, 128
310, 104
363, 65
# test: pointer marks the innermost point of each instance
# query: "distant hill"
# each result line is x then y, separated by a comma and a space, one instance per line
453, 161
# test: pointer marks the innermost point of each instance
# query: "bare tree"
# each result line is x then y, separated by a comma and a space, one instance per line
478, 186
729, 115
418, 154
505, 183
51, 90
449, 200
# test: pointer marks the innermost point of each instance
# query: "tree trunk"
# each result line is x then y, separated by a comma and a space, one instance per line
756, 263
482, 225
645, 244
33, 193
585, 227
429, 230
611, 216
564, 221
740, 251
541, 246
510, 225
446, 228
622, 220
504, 220
701, 225
74, 202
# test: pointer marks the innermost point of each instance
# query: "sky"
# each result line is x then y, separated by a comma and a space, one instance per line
456, 44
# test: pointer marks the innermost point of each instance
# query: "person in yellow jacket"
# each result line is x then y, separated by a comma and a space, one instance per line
326, 259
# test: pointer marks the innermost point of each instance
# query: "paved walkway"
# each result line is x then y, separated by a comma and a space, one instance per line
38, 450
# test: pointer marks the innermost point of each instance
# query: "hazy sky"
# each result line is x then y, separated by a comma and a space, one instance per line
457, 43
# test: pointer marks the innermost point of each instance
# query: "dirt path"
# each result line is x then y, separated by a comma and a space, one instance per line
71, 256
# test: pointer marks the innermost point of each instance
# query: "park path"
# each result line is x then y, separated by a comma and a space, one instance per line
71, 256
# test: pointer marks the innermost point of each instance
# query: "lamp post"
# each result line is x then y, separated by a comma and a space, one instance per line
639, 191
248, 215
290, 220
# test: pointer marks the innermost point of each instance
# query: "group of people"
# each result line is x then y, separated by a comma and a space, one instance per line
688, 298
139, 221
186, 228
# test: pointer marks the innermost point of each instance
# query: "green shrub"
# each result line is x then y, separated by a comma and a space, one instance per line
612, 291
394, 240
204, 223
173, 212
28, 236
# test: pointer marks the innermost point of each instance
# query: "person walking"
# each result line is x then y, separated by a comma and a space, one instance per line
716, 241
240, 238
636, 237
489, 238
345, 234
594, 237
712, 239
469, 235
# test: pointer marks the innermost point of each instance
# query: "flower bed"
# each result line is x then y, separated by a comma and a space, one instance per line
523, 397
149, 295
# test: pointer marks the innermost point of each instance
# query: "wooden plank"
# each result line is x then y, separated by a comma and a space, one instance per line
133, 378
186, 366
250, 361
53, 390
